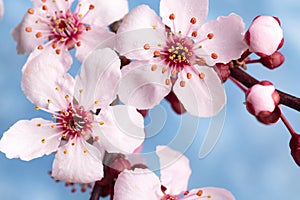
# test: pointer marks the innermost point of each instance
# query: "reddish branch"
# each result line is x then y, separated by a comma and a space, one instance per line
247, 80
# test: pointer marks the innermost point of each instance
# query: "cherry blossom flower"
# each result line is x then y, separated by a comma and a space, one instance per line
78, 135
178, 57
174, 174
52, 24
1, 8
264, 35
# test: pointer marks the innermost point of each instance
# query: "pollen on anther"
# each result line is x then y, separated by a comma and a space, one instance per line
73, 143
65, 151
214, 56
52, 126
88, 28
146, 46
199, 193
182, 83
209, 196
164, 70
40, 47
168, 82
186, 193
57, 88
28, 29
210, 36
174, 73
44, 7
67, 96
96, 138
81, 91
156, 53
57, 51
189, 75
37, 108
78, 44
153, 67
49, 100
202, 75
54, 45
194, 33
43, 140
193, 20
91, 7
172, 16
85, 150
38, 35
38, 125
30, 11
101, 123
96, 102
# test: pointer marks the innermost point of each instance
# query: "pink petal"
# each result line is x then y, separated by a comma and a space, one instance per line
202, 97
29, 139
26, 41
104, 12
120, 129
77, 162
97, 37
183, 11
137, 184
141, 26
97, 83
143, 85
175, 170
228, 39
210, 193
45, 82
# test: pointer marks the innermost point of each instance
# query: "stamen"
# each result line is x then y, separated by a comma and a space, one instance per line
164, 70
194, 33
156, 53
146, 46
30, 11
54, 45
85, 150
214, 56
153, 67
43, 140
57, 51
168, 82
36, 108
193, 20
182, 83
201, 75
65, 151
28, 29
172, 16
189, 75
210, 36
199, 193
38, 34
38, 125
91, 7
101, 123
44, 7
78, 44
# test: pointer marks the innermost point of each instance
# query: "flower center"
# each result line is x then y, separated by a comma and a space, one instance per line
75, 121
178, 52
60, 28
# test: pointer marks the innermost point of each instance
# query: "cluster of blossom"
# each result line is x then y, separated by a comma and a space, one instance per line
176, 55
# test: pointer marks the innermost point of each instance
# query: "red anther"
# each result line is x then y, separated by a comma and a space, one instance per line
194, 33
172, 16
193, 20
210, 36
91, 7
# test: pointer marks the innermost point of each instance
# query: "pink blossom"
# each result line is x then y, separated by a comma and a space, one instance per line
178, 57
172, 185
264, 35
53, 25
78, 135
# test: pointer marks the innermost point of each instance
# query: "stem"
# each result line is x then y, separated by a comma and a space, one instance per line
288, 125
96, 193
243, 88
247, 80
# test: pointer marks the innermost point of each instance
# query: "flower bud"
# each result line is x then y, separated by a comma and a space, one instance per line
222, 71
295, 148
262, 101
264, 35
273, 61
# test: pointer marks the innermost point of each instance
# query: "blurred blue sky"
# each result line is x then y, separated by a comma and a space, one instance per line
251, 160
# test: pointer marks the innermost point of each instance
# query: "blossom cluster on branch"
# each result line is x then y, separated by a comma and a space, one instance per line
131, 61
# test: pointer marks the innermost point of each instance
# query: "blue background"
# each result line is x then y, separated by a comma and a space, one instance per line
250, 159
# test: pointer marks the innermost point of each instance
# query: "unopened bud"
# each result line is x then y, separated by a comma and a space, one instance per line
264, 35
262, 101
222, 71
295, 148
273, 61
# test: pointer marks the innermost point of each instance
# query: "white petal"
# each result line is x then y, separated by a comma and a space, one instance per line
143, 87
209, 193
228, 40
183, 11
136, 31
175, 170
202, 97
104, 12
29, 139
97, 37
138, 184
54, 5
1, 8
97, 83
122, 131
45, 82
77, 162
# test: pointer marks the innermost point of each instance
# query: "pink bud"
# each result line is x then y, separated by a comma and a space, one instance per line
262, 101
273, 61
264, 35
222, 71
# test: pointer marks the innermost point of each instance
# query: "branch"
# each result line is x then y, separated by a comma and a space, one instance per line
96, 193
247, 80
